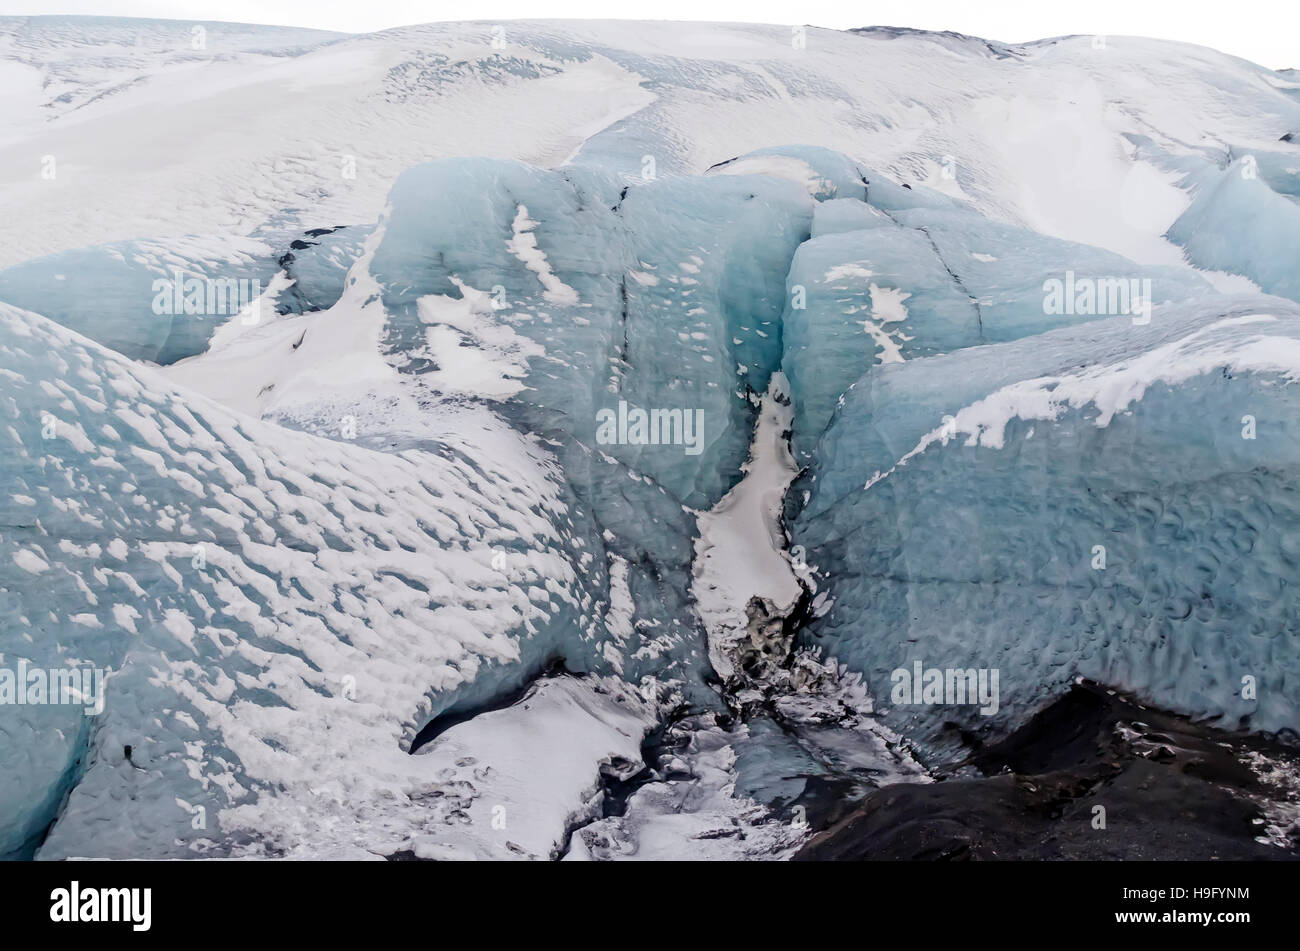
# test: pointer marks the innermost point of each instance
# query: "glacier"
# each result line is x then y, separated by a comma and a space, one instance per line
616, 414
1035, 482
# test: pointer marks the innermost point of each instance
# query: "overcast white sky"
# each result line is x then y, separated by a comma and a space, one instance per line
1266, 31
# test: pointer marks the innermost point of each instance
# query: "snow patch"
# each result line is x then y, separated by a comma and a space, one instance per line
524, 246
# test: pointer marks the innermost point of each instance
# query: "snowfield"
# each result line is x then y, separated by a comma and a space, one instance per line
305, 341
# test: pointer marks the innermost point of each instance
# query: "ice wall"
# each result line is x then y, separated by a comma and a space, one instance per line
1104, 500
1237, 222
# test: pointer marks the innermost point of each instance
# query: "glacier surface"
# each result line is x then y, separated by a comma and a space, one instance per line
619, 412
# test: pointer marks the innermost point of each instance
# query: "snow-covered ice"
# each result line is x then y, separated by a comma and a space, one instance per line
305, 343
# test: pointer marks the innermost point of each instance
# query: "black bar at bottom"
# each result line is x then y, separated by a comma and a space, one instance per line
301, 900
